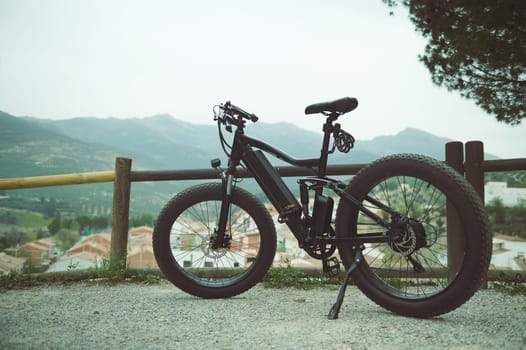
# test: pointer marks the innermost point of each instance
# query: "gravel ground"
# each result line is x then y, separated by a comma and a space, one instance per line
132, 316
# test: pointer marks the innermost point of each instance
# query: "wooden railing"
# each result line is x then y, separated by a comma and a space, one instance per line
468, 160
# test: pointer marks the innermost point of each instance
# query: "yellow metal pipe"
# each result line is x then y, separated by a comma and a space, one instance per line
57, 180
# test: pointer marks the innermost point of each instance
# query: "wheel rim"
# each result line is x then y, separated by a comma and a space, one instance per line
190, 237
415, 263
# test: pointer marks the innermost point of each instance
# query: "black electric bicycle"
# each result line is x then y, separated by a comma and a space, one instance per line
410, 231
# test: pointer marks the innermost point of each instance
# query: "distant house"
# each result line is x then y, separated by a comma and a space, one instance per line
141, 230
39, 252
98, 244
80, 261
99, 238
140, 241
141, 257
87, 253
35, 253
506, 252
10, 263
140, 251
93, 249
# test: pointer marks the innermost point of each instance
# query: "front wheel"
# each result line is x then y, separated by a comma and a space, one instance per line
435, 253
184, 231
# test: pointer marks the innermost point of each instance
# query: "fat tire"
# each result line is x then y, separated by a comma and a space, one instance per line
474, 221
176, 273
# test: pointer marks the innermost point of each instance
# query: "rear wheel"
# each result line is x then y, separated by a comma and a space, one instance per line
184, 231
422, 270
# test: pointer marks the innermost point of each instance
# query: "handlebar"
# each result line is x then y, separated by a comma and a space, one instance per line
232, 111
252, 117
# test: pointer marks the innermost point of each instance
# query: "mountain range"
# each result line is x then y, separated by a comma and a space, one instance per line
31, 147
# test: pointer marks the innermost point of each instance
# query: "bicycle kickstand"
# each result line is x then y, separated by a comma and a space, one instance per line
335, 309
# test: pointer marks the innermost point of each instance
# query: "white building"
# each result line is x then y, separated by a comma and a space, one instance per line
509, 196
77, 261
505, 252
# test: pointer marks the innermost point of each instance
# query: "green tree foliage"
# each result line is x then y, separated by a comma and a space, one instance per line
497, 211
507, 220
142, 220
47, 207
66, 238
11, 238
54, 226
7, 218
99, 222
41, 233
83, 221
478, 48
96, 223
68, 223
512, 178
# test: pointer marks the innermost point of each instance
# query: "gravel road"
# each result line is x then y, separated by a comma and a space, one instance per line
133, 316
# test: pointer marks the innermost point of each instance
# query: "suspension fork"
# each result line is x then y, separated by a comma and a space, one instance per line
219, 240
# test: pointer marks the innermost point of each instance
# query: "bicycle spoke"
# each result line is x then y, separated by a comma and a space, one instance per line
191, 248
420, 273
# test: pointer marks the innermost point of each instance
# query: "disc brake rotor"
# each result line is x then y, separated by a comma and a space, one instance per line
408, 237
211, 253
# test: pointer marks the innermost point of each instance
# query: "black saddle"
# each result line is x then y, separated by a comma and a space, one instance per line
340, 106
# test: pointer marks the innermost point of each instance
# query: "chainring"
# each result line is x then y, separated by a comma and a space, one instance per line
321, 249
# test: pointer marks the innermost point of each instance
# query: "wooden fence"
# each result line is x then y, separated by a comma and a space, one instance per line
467, 159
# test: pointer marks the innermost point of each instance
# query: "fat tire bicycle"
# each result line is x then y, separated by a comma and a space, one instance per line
410, 231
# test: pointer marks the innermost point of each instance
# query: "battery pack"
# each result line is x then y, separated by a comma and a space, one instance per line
321, 215
270, 181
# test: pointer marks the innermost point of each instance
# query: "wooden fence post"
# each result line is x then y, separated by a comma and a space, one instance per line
455, 155
475, 174
473, 166
120, 213
455, 246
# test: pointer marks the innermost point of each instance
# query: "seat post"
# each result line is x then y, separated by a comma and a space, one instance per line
327, 131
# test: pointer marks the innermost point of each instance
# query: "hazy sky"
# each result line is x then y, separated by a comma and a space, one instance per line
68, 58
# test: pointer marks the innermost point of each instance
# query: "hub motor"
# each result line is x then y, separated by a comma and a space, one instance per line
407, 237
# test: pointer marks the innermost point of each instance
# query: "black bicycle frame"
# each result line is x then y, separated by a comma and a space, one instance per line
249, 151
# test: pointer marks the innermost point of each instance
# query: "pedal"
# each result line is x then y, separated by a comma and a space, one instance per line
331, 267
